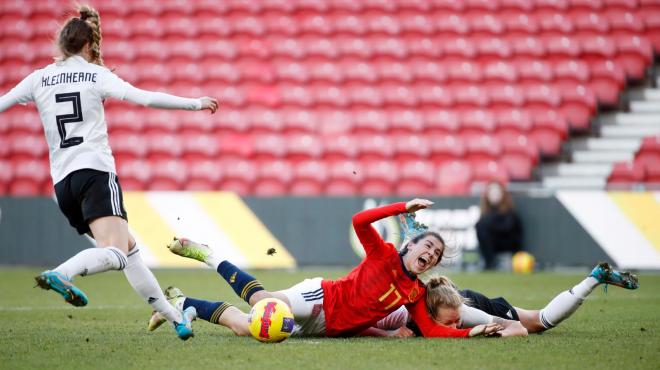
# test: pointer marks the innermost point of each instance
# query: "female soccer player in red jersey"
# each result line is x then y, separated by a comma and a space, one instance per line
384, 281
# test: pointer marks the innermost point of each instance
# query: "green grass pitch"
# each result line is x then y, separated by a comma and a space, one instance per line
617, 329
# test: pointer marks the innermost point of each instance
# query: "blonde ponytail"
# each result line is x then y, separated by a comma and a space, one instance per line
79, 31
442, 293
93, 20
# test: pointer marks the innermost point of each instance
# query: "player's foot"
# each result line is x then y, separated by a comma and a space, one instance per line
605, 274
59, 283
173, 295
190, 249
184, 329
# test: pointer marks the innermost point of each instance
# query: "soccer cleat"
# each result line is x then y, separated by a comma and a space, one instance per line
59, 283
184, 328
606, 275
173, 294
190, 249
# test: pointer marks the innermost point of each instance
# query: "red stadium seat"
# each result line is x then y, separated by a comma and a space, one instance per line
264, 121
513, 122
303, 147
519, 157
340, 147
28, 146
653, 172
432, 94
239, 176
203, 175
269, 147
626, 173
405, 122
527, 47
416, 23
518, 23
634, 54
375, 147
441, 121
454, 178
273, 178
451, 23
394, 71
379, 178
309, 178
233, 146
344, 178
500, 72
417, 177
578, 104
464, 72
428, 70
607, 81
165, 146
477, 122
411, 147
482, 148
299, 121
200, 146
488, 171
168, 175
446, 148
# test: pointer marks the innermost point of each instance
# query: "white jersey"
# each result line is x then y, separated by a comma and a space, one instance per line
69, 96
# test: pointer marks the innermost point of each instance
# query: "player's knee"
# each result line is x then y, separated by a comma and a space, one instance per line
257, 296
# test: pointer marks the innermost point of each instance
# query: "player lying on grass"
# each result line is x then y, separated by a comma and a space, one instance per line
442, 297
384, 281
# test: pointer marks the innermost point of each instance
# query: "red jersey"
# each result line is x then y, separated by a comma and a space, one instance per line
378, 286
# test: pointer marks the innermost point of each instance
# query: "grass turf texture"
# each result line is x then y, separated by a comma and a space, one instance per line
615, 330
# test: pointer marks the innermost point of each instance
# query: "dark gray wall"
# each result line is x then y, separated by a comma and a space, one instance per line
315, 230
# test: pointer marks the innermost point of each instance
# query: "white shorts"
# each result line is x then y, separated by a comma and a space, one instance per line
395, 320
306, 300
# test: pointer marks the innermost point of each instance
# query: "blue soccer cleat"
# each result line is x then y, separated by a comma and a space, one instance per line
606, 275
59, 283
184, 328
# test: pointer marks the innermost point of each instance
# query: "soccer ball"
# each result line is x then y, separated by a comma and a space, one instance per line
270, 320
522, 263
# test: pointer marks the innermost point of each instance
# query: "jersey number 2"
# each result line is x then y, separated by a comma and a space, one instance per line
63, 119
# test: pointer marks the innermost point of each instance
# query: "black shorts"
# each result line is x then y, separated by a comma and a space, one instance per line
497, 306
87, 194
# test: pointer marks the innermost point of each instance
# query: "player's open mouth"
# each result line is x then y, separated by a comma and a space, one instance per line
421, 261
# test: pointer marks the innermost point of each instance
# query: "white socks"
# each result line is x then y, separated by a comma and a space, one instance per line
145, 284
567, 302
92, 261
471, 317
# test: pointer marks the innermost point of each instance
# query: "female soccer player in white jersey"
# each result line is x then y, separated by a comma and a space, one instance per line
69, 95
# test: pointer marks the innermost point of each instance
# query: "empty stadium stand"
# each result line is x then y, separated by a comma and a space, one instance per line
344, 97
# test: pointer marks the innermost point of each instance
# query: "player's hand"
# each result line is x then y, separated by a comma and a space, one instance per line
209, 103
488, 330
402, 332
417, 204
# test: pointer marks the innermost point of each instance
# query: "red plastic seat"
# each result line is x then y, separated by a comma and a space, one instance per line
527, 46
28, 146
519, 157
382, 24
298, 121
607, 81
470, 97
340, 147
484, 23
269, 147
482, 148
379, 178
548, 131
416, 177
168, 175
428, 70
433, 94
488, 171
359, 71
370, 121
239, 176
315, 24
375, 147
513, 122
626, 173
635, 53
365, 96
500, 71
441, 121
450, 23
203, 175
399, 95
273, 178
519, 23
578, 104
344, 178
309, 178
477, 122
405, 122
416, 22
446, 148
463, 72
411, 147
303, 147
454, 178
200, 146
505, 96
653, 172
394, 71
264, 121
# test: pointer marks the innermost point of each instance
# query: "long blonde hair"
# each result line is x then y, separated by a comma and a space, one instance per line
79, 31
442, 293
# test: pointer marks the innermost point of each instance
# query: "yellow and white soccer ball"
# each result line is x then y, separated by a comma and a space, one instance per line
270, 320
523, 263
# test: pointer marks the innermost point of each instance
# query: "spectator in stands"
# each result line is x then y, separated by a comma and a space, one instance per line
499, 228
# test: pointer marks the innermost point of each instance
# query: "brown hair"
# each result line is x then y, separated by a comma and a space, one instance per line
506, 204
441, 293
79, 31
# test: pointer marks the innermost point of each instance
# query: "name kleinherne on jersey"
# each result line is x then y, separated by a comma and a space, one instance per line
68, 77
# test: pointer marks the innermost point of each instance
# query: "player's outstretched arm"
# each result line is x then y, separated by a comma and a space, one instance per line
20, 94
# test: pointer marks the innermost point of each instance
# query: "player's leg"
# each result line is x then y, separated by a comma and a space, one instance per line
246, 286
220, 313
69, 192
567, 302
